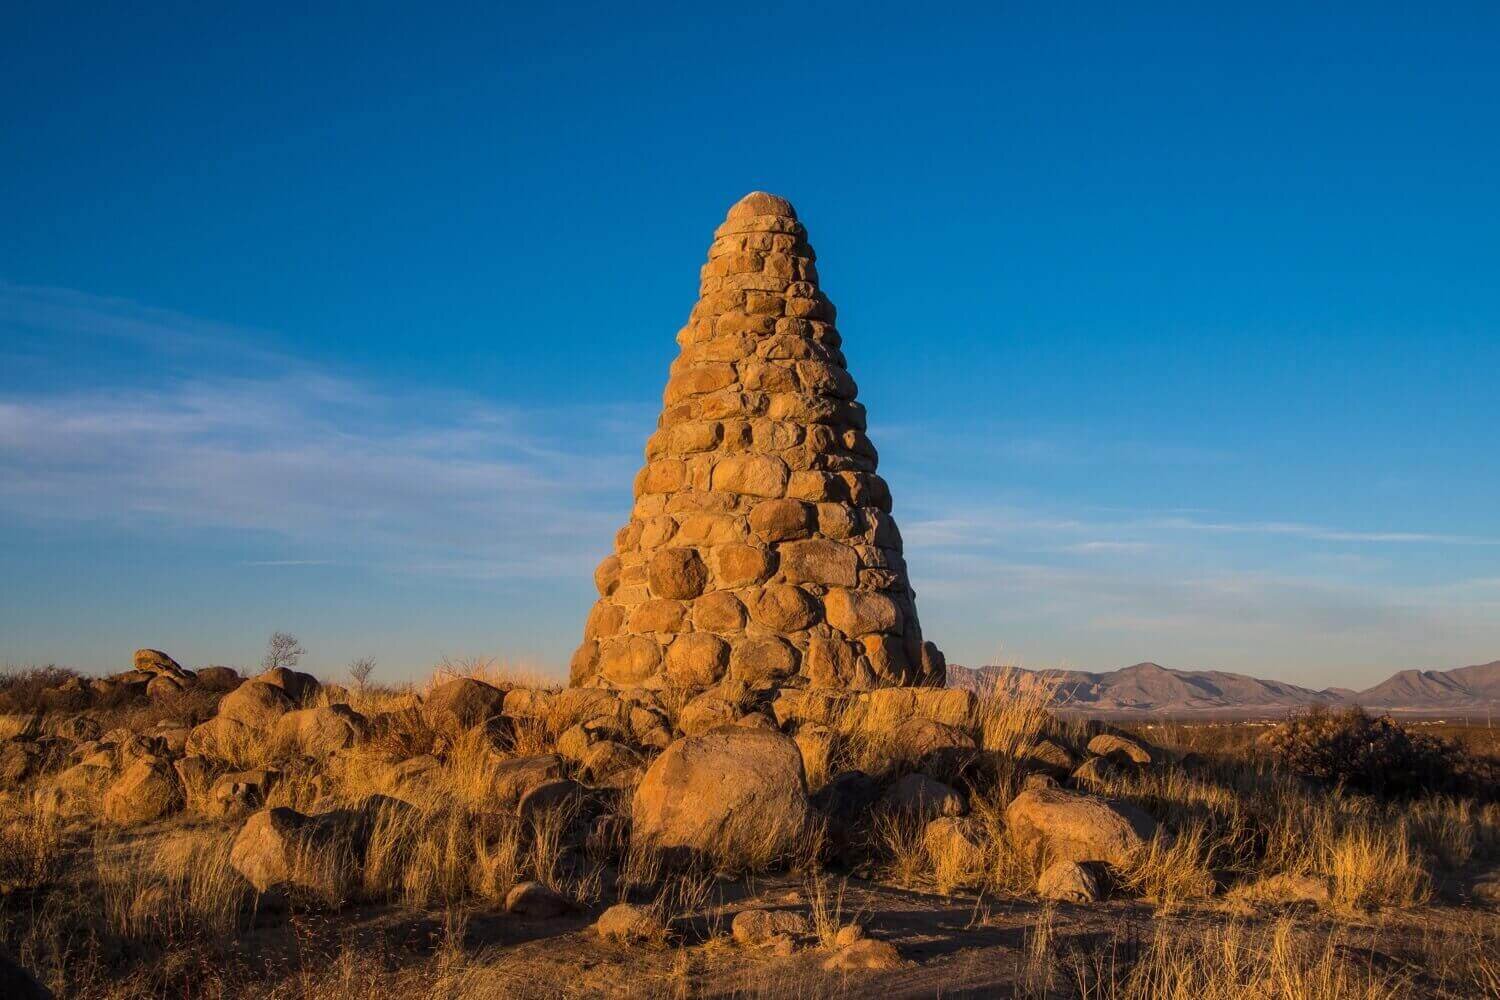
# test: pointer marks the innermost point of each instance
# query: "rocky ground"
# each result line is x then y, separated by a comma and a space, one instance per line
169, 832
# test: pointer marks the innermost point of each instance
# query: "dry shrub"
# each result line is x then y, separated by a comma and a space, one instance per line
900, 844
33, 850
183, 888
1375, 754
1375, 867
825, 903
22, 688
491, 670
1171, 870
1011, 713
1007, 872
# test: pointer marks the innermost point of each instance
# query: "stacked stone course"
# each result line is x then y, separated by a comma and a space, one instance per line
761, 548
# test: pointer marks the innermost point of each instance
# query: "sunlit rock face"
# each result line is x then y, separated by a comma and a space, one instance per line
761, 547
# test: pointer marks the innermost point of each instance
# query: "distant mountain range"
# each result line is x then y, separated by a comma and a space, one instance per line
1149, 688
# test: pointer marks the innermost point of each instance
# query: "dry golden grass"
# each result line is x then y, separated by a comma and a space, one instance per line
1172, 870
1232, 963
125, 914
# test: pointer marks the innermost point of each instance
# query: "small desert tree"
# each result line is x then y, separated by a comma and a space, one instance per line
283, 650
361, 669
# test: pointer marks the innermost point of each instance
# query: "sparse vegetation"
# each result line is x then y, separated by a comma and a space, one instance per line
360, 670
1211, 903
282, 650
1376, 755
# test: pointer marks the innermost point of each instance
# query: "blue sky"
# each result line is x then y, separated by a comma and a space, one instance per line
1178, 330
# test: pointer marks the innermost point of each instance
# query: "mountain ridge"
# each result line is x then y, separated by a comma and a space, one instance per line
1150, 688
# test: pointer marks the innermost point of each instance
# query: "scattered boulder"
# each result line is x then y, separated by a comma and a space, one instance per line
756, 928
532, 899
256, 704
318, 732
294, 684
163, 687
1069, 826
1096, 772
1068, 882
219, 737
218, 678
462, 703
1051, 755
739, 793
920, 796
154, 661
239, 793
866, 954
915, 739
885, 708
145, 791
1121, 748
631, 924
512, 779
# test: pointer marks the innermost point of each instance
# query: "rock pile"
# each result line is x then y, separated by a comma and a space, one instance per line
761, 546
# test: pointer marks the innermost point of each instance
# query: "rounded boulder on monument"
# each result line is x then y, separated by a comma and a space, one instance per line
761, 544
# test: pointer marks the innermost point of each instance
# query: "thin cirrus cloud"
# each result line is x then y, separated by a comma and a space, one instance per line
178, 425
427, 482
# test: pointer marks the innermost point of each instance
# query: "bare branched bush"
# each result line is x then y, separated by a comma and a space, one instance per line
282, 650
360, 670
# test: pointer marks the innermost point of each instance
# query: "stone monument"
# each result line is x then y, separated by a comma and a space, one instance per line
761, 547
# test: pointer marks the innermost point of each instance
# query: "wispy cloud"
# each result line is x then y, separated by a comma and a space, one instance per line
424, 481
1320, 533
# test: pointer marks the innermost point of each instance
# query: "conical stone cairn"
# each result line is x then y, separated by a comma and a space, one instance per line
761, 548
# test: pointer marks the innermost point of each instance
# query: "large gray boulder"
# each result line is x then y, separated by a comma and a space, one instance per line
734, 793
